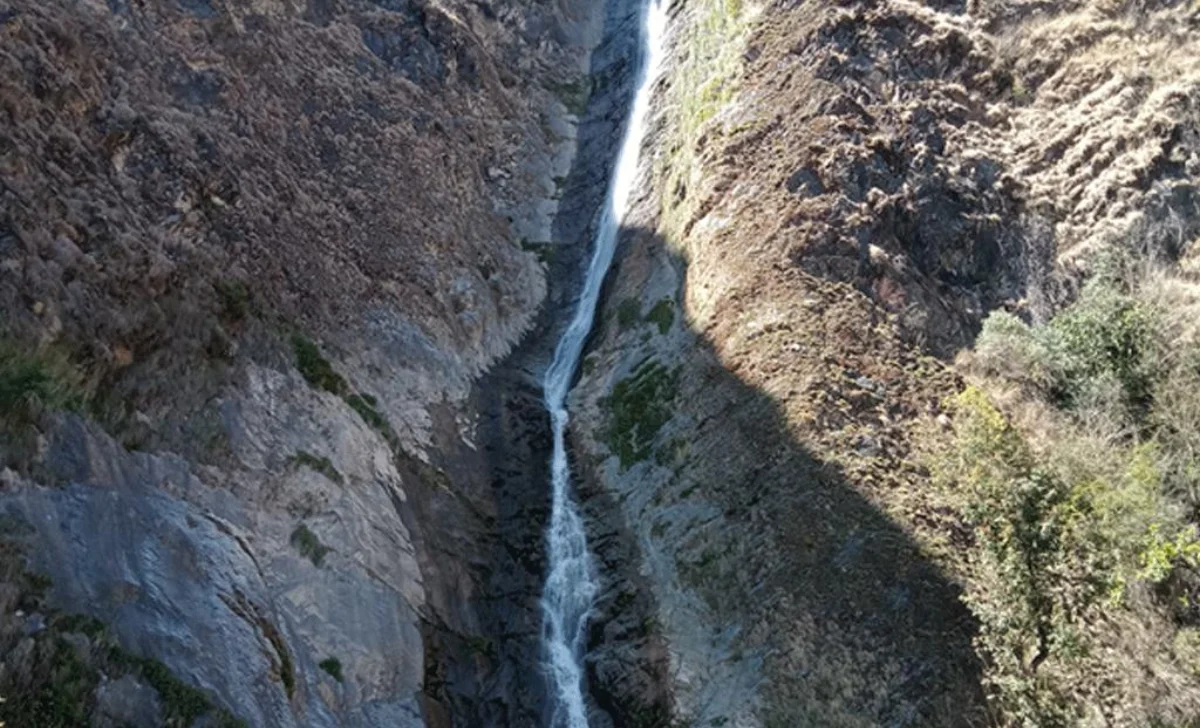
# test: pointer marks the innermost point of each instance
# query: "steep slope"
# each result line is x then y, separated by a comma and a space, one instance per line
254, 257
838, 191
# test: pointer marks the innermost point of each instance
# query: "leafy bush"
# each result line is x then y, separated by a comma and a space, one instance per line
365, 406
1008, 348
1100, 350
1056, 556
59, 697
1106, 336
1080, 515
234, 298
183, 704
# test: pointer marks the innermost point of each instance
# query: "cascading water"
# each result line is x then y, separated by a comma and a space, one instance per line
571, 579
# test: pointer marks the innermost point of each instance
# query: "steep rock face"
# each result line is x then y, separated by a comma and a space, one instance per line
837, 191
207, 570
269, 248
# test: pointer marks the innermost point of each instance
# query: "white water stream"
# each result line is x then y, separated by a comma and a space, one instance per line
571, 578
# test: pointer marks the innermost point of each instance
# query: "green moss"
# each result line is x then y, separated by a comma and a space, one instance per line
309, 546
319, 464
333, 666
638, 408
662, 315
315, 368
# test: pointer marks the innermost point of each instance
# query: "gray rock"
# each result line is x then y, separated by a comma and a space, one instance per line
127, 703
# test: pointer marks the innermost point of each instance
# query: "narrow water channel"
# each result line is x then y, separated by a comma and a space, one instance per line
571, 576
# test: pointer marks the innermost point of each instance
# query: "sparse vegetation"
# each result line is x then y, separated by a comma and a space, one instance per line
704, 81
234, 298
60, 684
544, 250
573, 94
61, 697
1073, 465
315, 368
333, 666
662, 315
287, 670
33, 382
182, 703
319, 464
365, 405
319, 373
629, 310
638, 408
309, 546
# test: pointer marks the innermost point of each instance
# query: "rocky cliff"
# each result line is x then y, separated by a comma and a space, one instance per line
837, 194
278, 279
255, 257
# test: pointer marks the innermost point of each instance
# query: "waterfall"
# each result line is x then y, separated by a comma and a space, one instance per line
571, 578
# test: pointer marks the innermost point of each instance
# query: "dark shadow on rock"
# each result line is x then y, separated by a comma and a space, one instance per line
850, 618
484, 538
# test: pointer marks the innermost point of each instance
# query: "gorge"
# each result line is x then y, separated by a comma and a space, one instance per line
596, 363
570, 582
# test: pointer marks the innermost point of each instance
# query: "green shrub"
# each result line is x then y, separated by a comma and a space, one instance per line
315, 368
1010, 349
573, 94
1099, 352
1030, 529
35, 382
365, 406
60, 695
183, 704
662, 315
321, 465
1105, 337
234, 298
309, 546
1061, 541
333, 666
